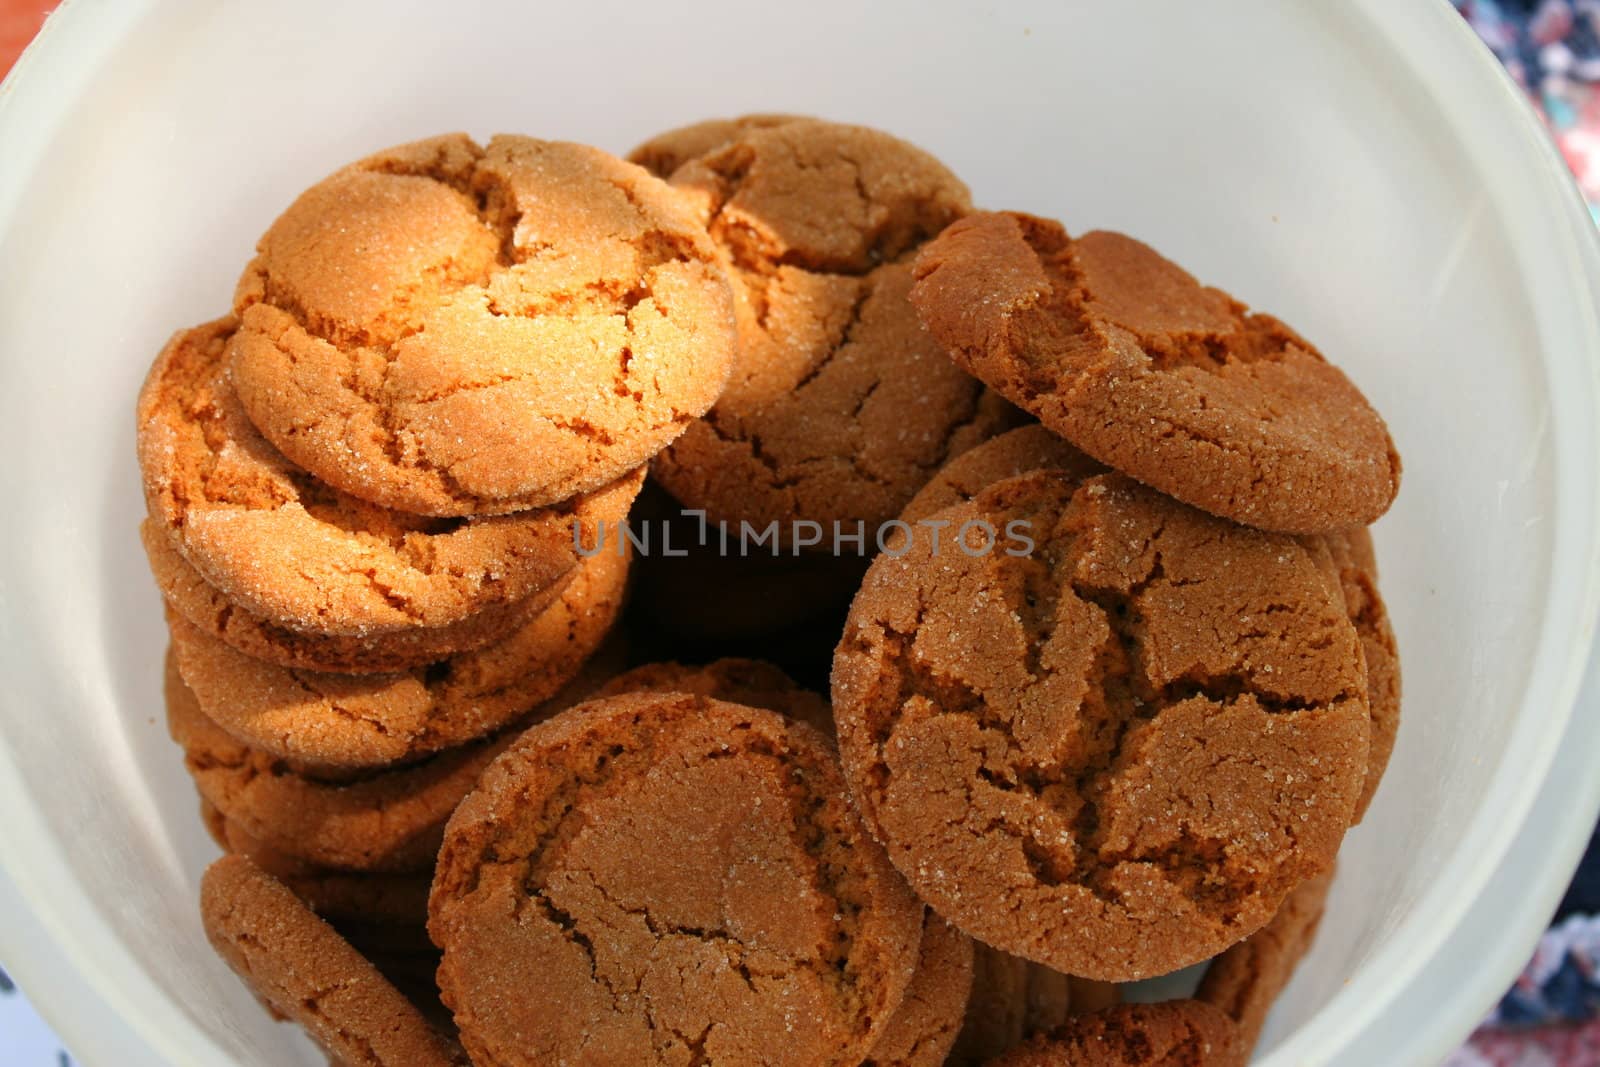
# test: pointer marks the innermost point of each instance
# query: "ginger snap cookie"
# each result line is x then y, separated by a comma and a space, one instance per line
1027, 448
287, 548
839, 406
1132, 360
923, 1028
375, 898
1174, 1033
1112, 748
390, 821
1244, 982
352, 722
737, 681
303, 970
1358, 576
663, 878
451, 329
203, 606
664, 153
1011, 999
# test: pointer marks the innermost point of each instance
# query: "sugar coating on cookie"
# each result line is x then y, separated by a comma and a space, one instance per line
389, 821
750, 682
664, 153
1116, 751
1026, 448
342, 721
1244, 982
1174, 1033
454, 330
1132, 360
664, 878
287, 548
839, 406
305, 971
923, 1028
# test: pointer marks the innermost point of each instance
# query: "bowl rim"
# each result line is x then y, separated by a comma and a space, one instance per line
1531, 185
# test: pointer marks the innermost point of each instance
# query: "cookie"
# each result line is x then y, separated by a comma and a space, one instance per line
663, 878
1129, 358
1011, 999
1035, 447
353, 722
1117, 750
287, 548
303, 970
839, 406
737, 681
1027, 448
1244, 982
202, 605
1175, 1033
338, 896
924, 1026
391, 821
1358, 575
664, 153
454, 330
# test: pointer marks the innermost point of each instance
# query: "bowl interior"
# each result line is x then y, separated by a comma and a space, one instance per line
1275, 150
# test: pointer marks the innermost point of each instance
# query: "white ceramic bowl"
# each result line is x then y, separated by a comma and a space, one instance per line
1361, 169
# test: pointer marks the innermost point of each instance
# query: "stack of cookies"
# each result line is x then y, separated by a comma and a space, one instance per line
1080, 542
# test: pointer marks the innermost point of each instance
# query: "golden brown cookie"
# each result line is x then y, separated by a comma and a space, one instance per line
924, 1026
1244, 982
1132, 360
1358, 575
456, 330
1117, 751
287, 548
1175, 1033
839, 406
345, 722
203, 606
390, 821
663, 878
1027, 448
303, 970
338, 896
664, 153
737, 681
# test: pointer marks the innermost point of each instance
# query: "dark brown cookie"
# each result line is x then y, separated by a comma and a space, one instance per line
1358, 575
455, 330
664, 153
288, 549
1244, 982
1011, 999
1175, 1033
203, 606
839, 406
1116, 751
341, 722
1178, 385
662, 878
737, 681
303, 970
923, 1028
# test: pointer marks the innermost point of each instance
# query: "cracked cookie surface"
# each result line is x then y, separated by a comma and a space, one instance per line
1114, 754
1027, 448
303, 556
1132, 360
839, 406
455, 330
664, 878
1174, 1033
305, 971
354, 722
664, 153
